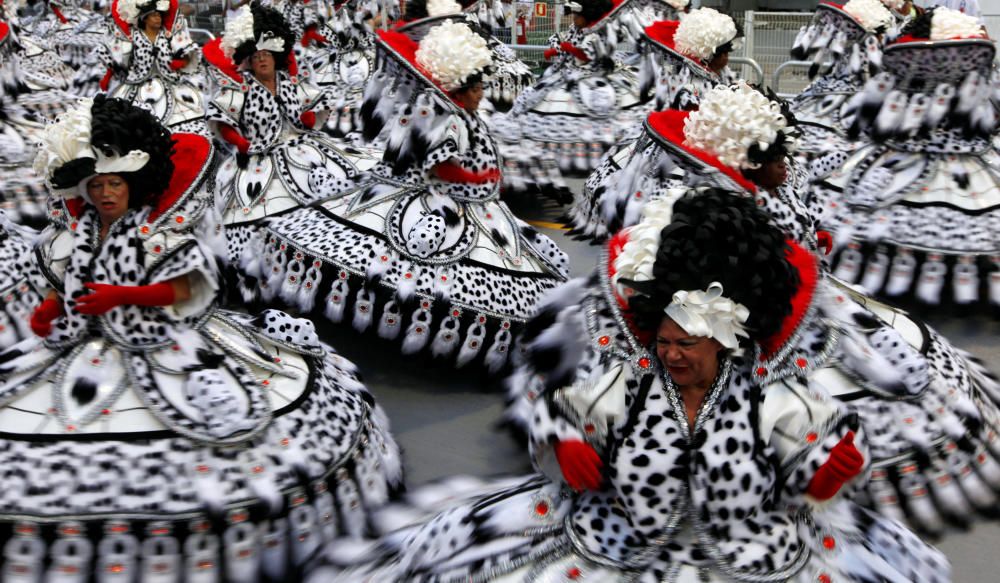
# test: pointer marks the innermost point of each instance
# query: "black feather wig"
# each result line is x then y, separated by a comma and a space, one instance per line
118, 127
717, 236
267, 20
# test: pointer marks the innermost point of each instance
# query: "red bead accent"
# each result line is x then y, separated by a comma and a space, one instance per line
179, 219
265, 382
824, 578
144, 229
542, 508
456, 313
604, 340
644, 363
812, 437
589, 428
71, 428
761, 371
573, 573
829, 543
105, 411
157, 249
801, 363
277, 359
73, 226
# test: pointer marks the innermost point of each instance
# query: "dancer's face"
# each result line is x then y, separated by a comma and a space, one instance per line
770, 175
692, 361
579, 21
262, 63
109, 193
719, 62
154, 21
470, 98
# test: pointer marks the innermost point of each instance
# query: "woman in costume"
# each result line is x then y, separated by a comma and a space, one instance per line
914, 210
663, 455
22, 192
849, 38
683, 61
584, 101
707, 147
423, 250
264, 111
75, 33
151, 61
148, 433
44, 76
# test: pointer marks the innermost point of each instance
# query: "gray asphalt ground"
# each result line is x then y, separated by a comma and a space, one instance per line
445, 420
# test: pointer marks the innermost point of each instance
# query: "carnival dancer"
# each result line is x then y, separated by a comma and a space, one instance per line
844, 45
147, 433
151, 61
17, 297
678, 77
76, 33
913, 211
708, 147
22, 193
662, 455
422, 250
583, 102
264, 111
42, 72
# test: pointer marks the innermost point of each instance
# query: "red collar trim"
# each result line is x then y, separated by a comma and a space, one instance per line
214, 56
615, 246
805, 263
191, 154
669, 124
4, 31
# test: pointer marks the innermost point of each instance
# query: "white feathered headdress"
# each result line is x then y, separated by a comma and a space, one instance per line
947, 24
239, 29
678, 4
443, 7
451, 53
702, 32
131, 10
731, 120
870, 14
65, 140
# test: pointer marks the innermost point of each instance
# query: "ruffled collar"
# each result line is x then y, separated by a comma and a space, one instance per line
807, 266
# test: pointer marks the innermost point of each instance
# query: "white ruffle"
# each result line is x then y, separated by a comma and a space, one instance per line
702, 32
452, 53
947, 24
131, 162
128, 10
870, 14
730, 120
443, 7
239, 29
65, 140
636, 259
709, 314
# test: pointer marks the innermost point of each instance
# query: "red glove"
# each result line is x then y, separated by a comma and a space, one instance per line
550, 54
308, 119
580, 464
106, 80
844, 464
232, 136
107, 296
574, 50
825, 241
177, 64
311, 35
45, 313
451, 172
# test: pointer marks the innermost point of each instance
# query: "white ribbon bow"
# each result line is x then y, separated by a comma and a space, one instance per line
268, 41
130, 162
709, 314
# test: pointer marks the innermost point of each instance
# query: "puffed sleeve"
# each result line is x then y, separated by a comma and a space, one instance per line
803, 427
182, 255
